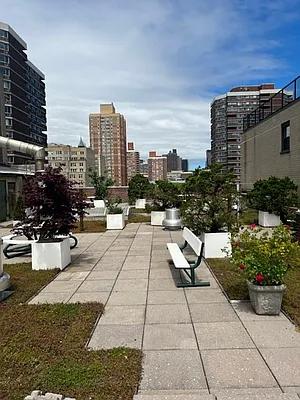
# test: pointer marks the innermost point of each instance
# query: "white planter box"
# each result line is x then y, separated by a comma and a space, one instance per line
214, 243
115, 221
51, 255
140, 203
157, 217
266, 219
99, 203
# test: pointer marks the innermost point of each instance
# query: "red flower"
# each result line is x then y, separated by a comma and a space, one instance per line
242, 267
259, 278
252, 226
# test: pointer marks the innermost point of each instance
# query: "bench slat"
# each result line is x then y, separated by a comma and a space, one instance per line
192, 240
178, 258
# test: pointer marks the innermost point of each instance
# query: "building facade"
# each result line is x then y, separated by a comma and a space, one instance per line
24, 94
227, 113
174, 162
144, 168
76, 162
133, 161
157, 167
185, 165
271, 145
108, 140
208, 158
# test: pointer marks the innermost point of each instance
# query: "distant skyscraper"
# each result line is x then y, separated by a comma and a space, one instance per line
227, 112
24, 94
173, 161
133, 161
108, 140
144, 168
185, 165
208, 158
157, 167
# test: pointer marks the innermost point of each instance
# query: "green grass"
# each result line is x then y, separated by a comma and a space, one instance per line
43, 347
234, 284
248, 217
139, 218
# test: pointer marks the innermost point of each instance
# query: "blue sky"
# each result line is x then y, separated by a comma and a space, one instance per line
161, 61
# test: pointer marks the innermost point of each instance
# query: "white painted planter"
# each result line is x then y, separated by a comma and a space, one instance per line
51, 255
15, 222
266, 219
140, 203
99, 203
157, 217
115, 221
214, 243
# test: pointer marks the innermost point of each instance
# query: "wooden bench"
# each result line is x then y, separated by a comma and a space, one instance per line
181, 263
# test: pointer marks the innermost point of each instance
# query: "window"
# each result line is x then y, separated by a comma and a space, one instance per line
285, 137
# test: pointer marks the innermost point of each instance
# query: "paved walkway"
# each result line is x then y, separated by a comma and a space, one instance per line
196, 344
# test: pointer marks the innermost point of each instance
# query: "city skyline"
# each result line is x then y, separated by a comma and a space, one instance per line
171, 67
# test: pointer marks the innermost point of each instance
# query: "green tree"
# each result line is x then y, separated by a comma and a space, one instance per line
101, 185
165, 195
274, 195
209, 198
19, 211
138, 188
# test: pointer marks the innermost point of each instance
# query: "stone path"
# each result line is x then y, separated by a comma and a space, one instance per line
196, 344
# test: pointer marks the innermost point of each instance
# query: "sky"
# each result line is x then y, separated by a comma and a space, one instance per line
161, 62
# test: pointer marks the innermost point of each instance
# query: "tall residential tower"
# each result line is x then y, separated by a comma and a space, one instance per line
108, 140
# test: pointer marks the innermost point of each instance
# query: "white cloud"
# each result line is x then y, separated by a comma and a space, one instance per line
160, 62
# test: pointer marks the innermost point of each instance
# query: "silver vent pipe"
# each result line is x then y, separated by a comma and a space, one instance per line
31, 149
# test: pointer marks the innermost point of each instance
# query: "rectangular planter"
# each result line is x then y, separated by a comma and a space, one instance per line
266, 300
140, 203
268, 220
115, 221
99, 203
157, 217
51, 255
214, 243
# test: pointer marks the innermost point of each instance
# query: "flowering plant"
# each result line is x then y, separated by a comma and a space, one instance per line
263, 256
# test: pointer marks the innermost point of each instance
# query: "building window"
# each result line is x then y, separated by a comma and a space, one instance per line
285, 137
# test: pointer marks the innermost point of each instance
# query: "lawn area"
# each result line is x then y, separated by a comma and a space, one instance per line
92, 226
43, 347
139, 218
248, 216
235, 286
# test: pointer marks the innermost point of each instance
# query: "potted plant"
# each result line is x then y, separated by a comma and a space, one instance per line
273, 197
137, 189
264, 258
101, 185
54, 206
207, 209
115, 216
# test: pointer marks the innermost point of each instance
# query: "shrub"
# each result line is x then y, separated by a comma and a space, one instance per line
274, 195
113, 206
138, 188
209, 198
263, 257
164, 195
101, 185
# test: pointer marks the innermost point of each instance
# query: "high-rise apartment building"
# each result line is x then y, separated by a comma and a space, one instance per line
133, 161
108, 140
144, 168
173, 161
76, 162
227, 113
184, 165
157, 167
24, 94
208, 158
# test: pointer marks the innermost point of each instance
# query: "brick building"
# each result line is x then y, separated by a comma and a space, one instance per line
133, 161
157, 167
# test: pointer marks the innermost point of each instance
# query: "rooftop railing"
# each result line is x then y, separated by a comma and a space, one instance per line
282, 98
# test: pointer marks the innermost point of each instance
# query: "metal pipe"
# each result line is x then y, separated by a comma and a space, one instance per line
1, 257
37, 151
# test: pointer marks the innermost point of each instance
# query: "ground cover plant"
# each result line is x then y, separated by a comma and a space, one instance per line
43, 347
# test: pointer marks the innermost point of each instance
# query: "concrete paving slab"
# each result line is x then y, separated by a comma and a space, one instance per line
212, 312
166, 297
167, 314
74, 267
242, 392
89, 297
160, 265
101, 285
134, 274
171, 370
222, 335
51, 298
179, 396
100, 274
162, 284
72, 276
246, 313
62, 286
169, 337
284, 334
238, 368
112, 266
258, 396
127, 298
110, 336
130, 285
285, 364
207, 296
124, 315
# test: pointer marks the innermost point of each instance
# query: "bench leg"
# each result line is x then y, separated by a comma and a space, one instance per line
194, 282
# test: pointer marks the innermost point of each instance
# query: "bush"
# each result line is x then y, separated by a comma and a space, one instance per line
101, 185
263, 257
274, 195
138, 188
164, 195
209, 198
113, 206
